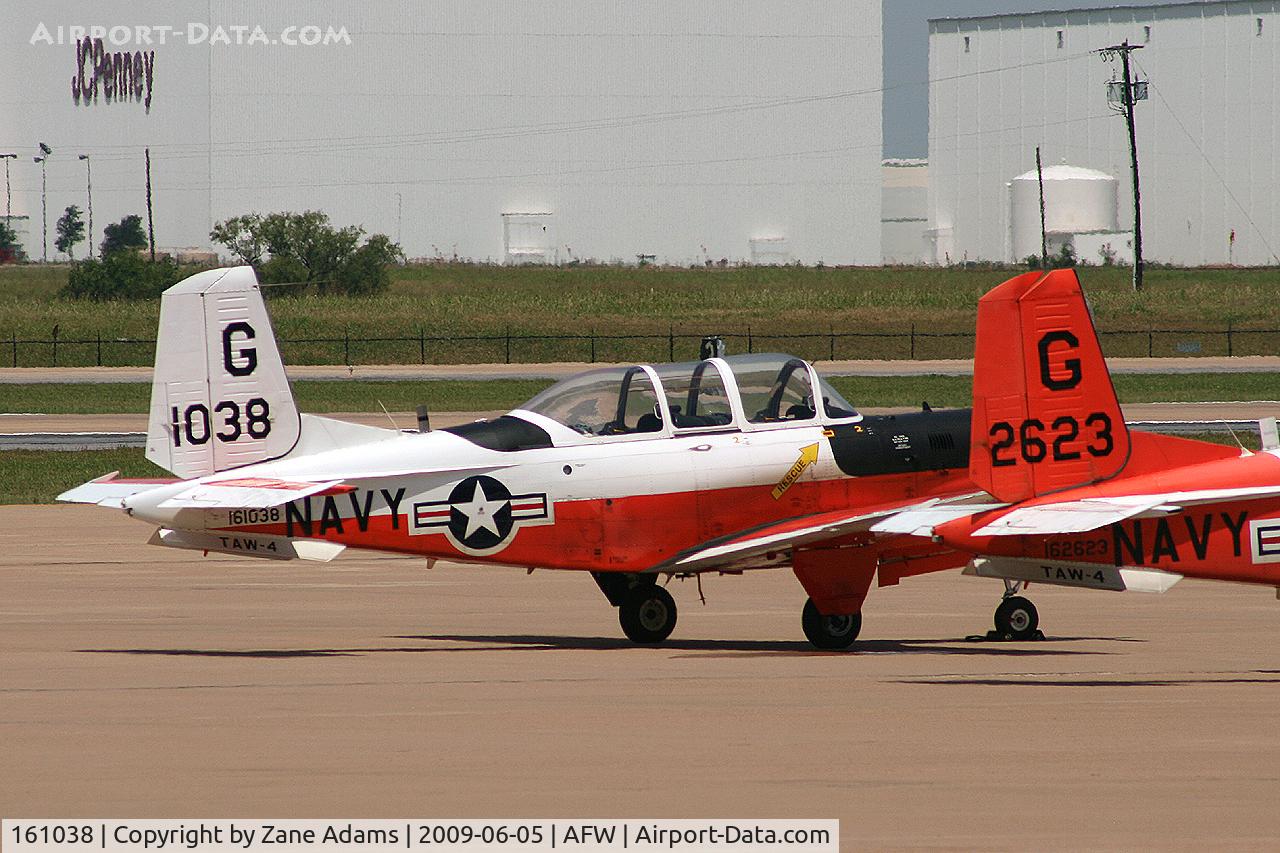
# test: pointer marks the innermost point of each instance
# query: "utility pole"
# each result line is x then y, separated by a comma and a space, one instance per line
1044, 235
151, 234
88, 171
1131, 92
399, 216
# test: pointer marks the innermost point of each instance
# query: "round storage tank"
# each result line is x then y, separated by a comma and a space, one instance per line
1075, 200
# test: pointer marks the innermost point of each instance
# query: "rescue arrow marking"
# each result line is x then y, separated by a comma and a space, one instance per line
808, 456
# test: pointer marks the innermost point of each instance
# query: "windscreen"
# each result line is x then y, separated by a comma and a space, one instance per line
617, 401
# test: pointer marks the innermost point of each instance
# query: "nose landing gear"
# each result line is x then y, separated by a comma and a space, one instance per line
647, 614
646, 611
1016, 617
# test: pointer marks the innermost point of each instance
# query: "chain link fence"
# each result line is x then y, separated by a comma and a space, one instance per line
355, 347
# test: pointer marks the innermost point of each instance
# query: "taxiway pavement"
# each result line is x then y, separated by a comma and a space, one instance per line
137, 681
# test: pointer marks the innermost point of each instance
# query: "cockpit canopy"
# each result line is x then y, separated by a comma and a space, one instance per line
765, 391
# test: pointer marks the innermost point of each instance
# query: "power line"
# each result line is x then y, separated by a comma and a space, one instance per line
817, 154
305, 145
1261, 234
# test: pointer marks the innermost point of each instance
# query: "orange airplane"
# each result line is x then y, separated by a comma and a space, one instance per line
1082, 501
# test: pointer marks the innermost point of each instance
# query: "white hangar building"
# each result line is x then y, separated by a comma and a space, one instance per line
538, 130
1208, 135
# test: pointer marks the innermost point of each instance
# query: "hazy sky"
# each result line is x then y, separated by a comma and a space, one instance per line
906, 59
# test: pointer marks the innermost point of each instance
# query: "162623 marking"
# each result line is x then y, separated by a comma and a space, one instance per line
1076, 549
1035, 443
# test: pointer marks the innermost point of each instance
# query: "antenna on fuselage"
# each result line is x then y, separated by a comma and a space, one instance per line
388, 414
424, 419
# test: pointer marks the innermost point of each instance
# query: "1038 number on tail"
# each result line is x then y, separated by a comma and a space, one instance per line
197, 423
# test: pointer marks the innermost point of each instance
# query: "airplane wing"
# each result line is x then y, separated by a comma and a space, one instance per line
1083, 515
109, 490
250, 493
772, 541
261, 492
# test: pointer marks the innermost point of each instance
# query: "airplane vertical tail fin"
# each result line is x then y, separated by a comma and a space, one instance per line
1045, 414
220, 397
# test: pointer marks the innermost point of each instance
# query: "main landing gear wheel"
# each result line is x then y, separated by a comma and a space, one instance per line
647, 614
830, 633
1017, 619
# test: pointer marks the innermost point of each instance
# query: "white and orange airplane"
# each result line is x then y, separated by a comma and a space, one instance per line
629, 473
1081, 500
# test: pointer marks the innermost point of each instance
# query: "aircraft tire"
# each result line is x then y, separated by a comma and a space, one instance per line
830, 633
1016, 618
647, 615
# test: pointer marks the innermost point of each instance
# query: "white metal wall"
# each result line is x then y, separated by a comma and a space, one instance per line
1208, 137
904, 211
665, 127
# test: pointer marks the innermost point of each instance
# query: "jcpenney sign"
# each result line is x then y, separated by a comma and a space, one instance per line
119, 76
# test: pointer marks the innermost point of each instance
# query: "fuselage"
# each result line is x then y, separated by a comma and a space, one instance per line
522, 490
1234, 540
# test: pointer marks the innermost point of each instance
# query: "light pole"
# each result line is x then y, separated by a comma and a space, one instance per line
8, 196
399, 215
88, 173
43, 160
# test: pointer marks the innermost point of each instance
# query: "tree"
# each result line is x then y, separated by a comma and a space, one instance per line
127, 234
122, 275
10, 248
70, 231
303, 248
242, 235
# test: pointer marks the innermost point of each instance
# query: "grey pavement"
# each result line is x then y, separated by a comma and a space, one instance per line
559, 370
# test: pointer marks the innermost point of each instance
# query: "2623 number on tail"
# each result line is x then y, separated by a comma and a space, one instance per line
227, 422
1035, 443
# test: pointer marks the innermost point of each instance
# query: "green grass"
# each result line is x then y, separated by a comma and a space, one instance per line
777, 304
38, 476
491, 395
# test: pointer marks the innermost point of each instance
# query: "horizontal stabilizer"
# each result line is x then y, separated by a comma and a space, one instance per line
247, 544
108, 490
320, 434
1069, 516
249, 493
1081, 516
1085, 575
920, 522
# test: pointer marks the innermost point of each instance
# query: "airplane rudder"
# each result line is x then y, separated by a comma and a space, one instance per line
999, 387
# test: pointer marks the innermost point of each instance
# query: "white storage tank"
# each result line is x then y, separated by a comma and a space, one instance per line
770, 251
1076, 201
527, 238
